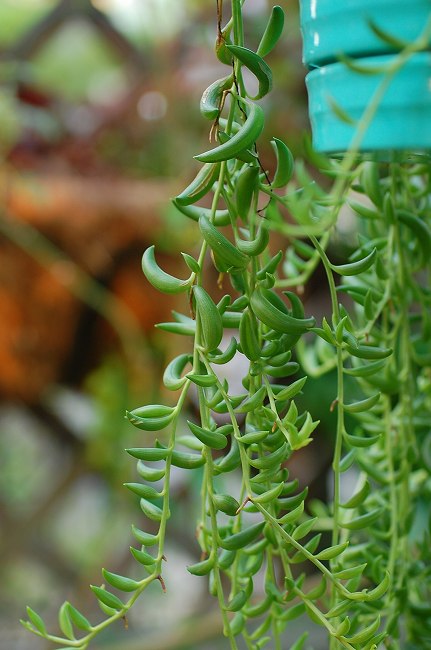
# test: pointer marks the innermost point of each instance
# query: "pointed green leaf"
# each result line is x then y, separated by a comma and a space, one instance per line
152, 511
142, 490
148, 453
36, 621
293, 612
318, 591
226, 503
303, 529
212, 439
238, 601
146, 539
339, 609
200, 185
285, 164
273, 31
351, 572
236, 625
150, 473
161, 280
364, 635
269, 495
363, 521
244, 537
359, 266
120, 582
256, 65
210, 319
362, 405
79, 619
187, 460
202, 568
357, 498
202, 380
64, 621
332, 551
380, 590
142, 557
292, 390
310, 546
292, 516
359, 441
172, 378
153, 417
185, 329
106, 598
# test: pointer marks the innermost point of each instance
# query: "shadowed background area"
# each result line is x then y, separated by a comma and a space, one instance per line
99, 121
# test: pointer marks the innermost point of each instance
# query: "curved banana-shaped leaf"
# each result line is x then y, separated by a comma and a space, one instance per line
202, 568
153, 417
120, 582
256, 65
359, 266
108, 599
226, 503
244, 139
285, 164
210, 319
172, 377
160, 279
272, 33
200, 185
212, 439
212, 96
223, 249
269, 309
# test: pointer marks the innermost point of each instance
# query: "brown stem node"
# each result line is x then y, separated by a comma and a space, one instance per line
162, 583
243, 504
333, 405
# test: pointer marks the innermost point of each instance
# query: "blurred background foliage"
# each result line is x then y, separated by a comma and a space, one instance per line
99, 120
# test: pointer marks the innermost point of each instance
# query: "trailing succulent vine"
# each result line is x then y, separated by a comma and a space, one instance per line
374, 583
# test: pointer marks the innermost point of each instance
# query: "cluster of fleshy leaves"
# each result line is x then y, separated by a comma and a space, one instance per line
258, 544
383, 366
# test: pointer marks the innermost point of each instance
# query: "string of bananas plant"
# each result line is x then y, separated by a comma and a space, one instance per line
373, 583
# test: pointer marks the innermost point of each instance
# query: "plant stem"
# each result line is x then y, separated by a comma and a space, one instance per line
340, 418
406, 442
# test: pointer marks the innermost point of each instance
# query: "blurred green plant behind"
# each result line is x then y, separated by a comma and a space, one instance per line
99, 121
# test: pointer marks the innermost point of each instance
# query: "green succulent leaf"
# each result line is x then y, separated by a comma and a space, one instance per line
256, 65
243, 139
200, 185
65, 622
153, 417
244, 537
202, 568
120, 582
78, 619
106, 598
37, 621
285, 164
212, 439
160, 279
273, 31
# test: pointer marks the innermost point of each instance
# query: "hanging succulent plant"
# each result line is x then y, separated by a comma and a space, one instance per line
373, 587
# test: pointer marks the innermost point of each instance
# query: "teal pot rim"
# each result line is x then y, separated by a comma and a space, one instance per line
402, 120
333, 27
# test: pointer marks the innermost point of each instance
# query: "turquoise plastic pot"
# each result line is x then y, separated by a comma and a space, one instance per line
402, 119
333, 26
